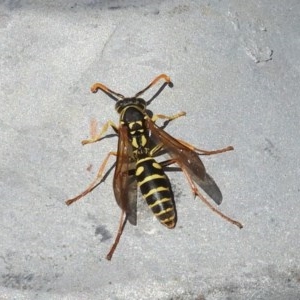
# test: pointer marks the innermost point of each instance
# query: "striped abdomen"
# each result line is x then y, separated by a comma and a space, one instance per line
156, 189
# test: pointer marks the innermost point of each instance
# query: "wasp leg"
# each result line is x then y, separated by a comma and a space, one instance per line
95, 182
166, 78
97, 137
154, 151
169, 118
191, 147
122, 224
205, 152
168, 162
197, 193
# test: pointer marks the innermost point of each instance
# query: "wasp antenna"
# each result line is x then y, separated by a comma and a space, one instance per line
154, 81
158, 92
99, 86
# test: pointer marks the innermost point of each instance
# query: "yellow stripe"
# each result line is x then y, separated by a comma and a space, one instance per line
150, 177
168, 219
159, 202
134, 143
145, 159
133, 123
144, 140
156, 166
163, 212
158, 189
139, 171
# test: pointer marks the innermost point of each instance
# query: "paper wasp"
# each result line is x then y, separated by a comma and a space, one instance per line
140, 142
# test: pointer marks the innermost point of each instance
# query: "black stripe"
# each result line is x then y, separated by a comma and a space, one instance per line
161, 206
147, 186
152, 186
166, 215
158, 195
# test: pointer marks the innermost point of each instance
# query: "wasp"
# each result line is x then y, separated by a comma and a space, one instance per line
140, 141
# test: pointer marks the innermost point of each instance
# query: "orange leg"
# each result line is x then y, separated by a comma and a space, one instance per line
197, 193
95, 182
205, 152
97, 137
122, 223
169, 118
191, 147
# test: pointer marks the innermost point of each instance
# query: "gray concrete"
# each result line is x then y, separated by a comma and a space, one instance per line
235, 69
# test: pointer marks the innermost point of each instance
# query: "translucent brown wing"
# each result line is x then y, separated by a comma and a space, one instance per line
186, 159
124, 183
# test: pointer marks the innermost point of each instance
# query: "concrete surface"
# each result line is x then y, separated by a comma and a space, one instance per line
235, 69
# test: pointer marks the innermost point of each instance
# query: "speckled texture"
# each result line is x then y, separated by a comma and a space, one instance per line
235, 69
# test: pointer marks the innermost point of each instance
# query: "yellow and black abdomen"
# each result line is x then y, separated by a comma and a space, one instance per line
156, 189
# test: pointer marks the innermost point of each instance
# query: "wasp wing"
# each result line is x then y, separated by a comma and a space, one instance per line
187, 159
124, 182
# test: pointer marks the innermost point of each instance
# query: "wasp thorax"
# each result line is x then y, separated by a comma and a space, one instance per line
132, 114
138, 102
134, 119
